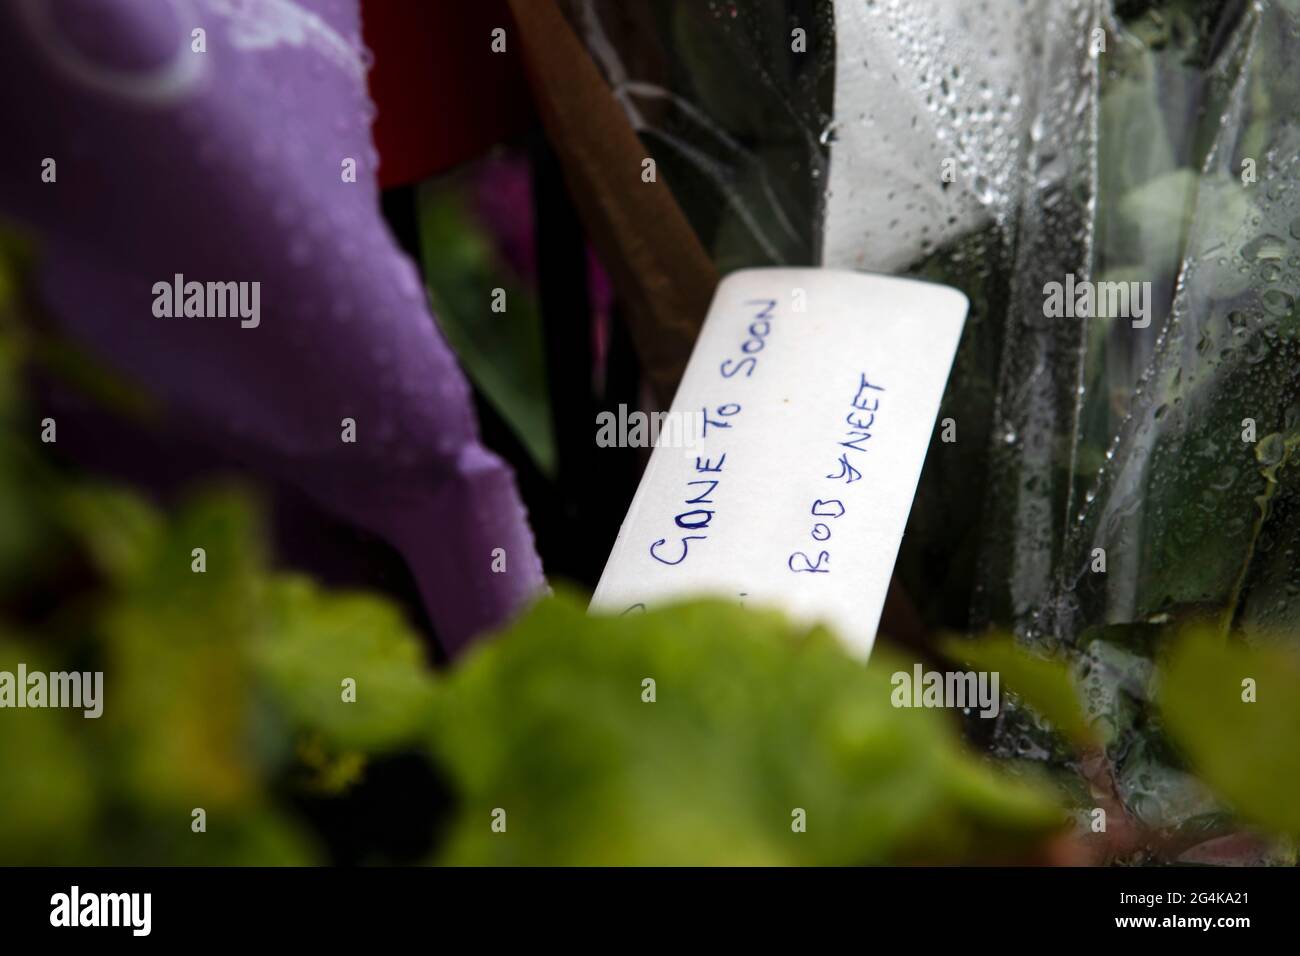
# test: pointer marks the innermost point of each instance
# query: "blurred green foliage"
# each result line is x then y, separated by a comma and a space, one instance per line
1234, 709
212, 683
751, 720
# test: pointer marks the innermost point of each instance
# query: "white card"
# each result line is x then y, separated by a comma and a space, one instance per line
819, 391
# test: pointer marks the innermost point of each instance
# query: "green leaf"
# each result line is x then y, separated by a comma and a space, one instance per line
47, 800
177, 693
1244, 750
1044, 684
314, 640
117, 528
501, 351
76, 368
753, 720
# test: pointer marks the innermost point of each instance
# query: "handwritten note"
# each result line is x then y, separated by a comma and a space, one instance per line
816, 392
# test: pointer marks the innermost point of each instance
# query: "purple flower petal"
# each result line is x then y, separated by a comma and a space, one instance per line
228, 166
